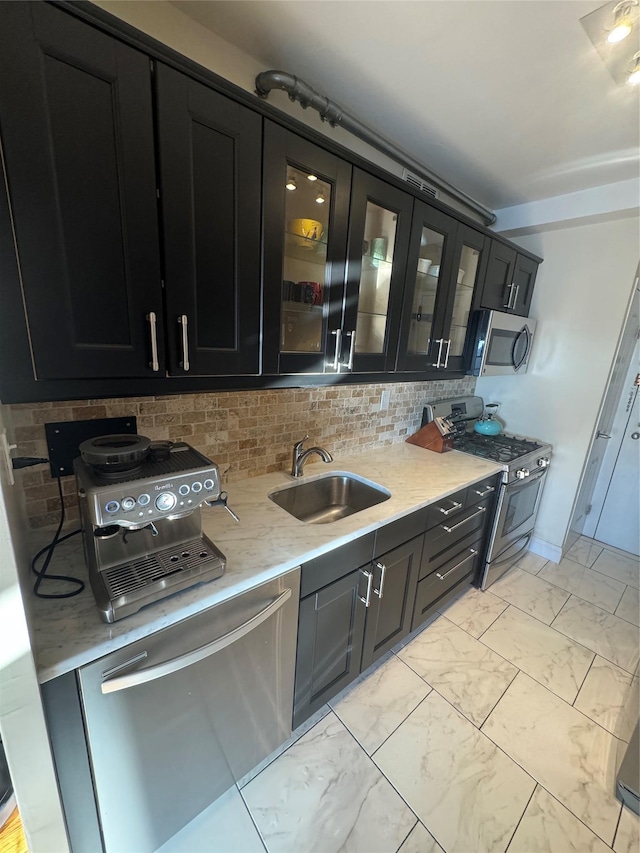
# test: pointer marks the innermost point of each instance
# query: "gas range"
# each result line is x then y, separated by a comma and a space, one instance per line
519, 456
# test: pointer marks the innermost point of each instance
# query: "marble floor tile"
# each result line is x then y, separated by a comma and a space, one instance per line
584, 551
629, 607
577, 763
223, 827
591, 586
377, 705
420, 841
607, 635
475, 611
605, 697
531, 594
548, 827
625, 569
324, 794
463, 670
628, 834
546, 655
468, 793
531, 562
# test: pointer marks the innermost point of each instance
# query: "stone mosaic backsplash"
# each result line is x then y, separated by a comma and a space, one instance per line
247, 433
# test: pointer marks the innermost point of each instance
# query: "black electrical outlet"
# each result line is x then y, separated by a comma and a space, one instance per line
65, 437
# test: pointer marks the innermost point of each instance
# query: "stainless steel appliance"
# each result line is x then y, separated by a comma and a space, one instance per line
140, 514
146, 738
524, 463
499, 344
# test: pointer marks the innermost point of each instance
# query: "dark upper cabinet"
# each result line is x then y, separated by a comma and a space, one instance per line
509, 280
77, 131
210, 169
306, 208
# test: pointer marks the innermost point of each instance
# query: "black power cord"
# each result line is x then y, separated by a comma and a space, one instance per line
48, 550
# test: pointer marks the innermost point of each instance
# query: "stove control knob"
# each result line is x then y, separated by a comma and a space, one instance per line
166, 501
542, 463
128, 504
522, 473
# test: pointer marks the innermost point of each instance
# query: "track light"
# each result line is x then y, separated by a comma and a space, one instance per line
291, 183
622, 21
312, 177
320, 198
634, 78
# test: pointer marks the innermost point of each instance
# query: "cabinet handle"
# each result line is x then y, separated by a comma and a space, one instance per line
182, 321
352, 349
367, 599
481, 509
507, 304
441, 342
446, 355
383, 572
487, 491
455, 506
461, 563
335, 363
515, 298
153, 364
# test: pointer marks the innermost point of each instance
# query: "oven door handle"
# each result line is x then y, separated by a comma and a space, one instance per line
527, 333
151, 673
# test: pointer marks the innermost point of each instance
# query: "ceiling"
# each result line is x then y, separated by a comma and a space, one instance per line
506, 99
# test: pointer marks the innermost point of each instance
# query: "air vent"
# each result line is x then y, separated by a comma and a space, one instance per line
419, 184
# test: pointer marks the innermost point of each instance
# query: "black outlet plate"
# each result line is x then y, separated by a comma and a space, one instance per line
65, 437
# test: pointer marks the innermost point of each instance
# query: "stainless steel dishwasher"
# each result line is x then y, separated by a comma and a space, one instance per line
173, 720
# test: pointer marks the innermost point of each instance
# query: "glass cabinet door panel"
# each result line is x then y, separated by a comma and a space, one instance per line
427, 280
375, 278
304, 270
465, 282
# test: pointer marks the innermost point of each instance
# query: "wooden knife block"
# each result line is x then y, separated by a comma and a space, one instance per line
430, 438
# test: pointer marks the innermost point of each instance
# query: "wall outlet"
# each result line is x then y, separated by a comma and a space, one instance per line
385, 397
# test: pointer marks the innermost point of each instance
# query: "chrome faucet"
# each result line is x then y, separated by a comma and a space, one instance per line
300, 456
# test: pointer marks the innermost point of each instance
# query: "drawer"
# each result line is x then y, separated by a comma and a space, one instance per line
461, 567
484, 489
336, 564
451, 531
446, 508
392, 535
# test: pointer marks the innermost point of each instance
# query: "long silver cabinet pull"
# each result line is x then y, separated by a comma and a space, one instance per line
487, 491
352, 349
451, 509
446, 355
183, 321
515, 298
461, 563
367, 598
168, 667
383, 572
152, 320
481, 509
507, 304
441, 342
336, 356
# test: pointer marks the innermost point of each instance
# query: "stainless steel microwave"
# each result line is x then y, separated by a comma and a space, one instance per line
499, 344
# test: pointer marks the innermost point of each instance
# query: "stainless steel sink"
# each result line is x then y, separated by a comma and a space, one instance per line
329, 497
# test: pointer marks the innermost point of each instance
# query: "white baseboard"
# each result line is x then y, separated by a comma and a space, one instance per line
545, 549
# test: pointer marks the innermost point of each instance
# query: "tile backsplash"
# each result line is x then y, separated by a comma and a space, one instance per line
247, 433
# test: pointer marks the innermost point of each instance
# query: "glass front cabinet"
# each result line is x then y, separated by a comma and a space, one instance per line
446, 259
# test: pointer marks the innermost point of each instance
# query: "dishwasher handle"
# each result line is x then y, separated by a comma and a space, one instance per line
151, 673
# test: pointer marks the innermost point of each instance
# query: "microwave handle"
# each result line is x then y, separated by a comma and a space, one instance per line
518, 364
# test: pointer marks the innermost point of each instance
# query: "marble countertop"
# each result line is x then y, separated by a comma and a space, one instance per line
68, 633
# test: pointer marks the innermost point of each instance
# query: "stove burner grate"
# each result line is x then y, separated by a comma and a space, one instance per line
499, 448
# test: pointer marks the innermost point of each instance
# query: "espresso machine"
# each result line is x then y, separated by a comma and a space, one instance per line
141, 520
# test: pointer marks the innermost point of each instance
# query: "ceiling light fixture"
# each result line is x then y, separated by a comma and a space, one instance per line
320, 198
622, 21
291, 183
634, 78
312, 177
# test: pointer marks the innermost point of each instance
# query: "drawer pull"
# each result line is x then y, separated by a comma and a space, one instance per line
481, 509
383, 572
367, 599
455, 506
461, 563
487, 491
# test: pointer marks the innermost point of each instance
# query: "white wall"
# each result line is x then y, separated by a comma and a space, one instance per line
582, 293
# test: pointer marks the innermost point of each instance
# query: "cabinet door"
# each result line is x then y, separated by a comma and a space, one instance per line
77, 126
469, 268
429, 275
395, 579
498, 284
379, 226
210, 171
306, 207
330, 633
524, 277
